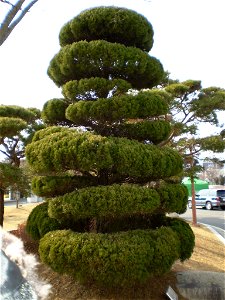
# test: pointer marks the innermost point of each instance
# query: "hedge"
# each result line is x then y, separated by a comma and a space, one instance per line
119, 259
103, 59
114, 24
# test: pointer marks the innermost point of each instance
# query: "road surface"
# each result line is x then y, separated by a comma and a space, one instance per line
214, 218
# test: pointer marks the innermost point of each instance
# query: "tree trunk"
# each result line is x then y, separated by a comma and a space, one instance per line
194, 215
1, 206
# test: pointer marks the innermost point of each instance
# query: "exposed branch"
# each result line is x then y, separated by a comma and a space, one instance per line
10, 21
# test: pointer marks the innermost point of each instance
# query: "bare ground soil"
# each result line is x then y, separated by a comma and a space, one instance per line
208, 255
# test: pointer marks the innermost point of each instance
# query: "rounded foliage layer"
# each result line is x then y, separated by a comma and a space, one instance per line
104, 201
85, 151
39, 222
13, 111
145, 104
185, 235
51, 186
111, 259
174, 198
54, 112
115, 201
11, 126
153, 131
113, 24
94, 88
103, 59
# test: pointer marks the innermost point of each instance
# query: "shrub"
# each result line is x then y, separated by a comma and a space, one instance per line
115, 260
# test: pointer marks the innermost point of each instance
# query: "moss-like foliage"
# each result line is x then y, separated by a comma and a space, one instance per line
39, 222
111, 259
98, 58
113, 24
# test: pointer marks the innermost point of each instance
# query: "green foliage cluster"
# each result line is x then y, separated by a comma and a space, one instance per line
103, 59
154, 131
185, 235
54, 112
11, 126
85, 151
112, 24
51, 186
143, 105
173, 198
116, 259
104, 201
94, 88
39, 222
13, 111
14, 177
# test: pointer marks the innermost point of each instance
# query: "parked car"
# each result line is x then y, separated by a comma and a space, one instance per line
209, 198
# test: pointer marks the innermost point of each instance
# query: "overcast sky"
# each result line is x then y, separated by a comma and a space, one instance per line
188, 40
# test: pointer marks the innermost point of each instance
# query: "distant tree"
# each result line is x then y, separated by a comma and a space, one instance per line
110, 184
13, 177
17, 126
13, 17
190, 106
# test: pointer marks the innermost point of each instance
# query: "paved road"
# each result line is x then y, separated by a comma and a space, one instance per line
214, 218
13, 202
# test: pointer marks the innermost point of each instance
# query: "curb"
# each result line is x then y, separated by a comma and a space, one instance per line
215, 232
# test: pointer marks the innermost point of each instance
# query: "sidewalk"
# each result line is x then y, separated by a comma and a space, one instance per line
200, 285
203, 285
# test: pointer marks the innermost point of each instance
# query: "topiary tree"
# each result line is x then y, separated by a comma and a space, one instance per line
109, 185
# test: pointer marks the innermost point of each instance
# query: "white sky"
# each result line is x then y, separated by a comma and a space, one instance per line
189, 41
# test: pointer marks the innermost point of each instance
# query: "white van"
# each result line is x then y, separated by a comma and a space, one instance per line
209, 198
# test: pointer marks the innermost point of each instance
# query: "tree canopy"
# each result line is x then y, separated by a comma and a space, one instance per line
17, 126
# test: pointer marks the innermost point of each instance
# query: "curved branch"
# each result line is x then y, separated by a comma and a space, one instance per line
7, 25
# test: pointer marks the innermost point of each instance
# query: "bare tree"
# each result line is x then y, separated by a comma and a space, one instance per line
13, 17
